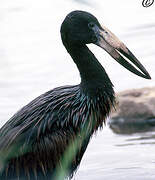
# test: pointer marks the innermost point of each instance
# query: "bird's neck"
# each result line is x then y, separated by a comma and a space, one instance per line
93, 76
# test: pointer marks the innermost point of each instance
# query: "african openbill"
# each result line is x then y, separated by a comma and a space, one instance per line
47, 138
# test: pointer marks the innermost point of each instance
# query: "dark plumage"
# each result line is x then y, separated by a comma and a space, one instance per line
47, 138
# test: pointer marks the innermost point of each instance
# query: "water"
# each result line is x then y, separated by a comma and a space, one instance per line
33, 60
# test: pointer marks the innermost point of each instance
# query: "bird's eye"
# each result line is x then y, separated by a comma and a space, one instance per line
91, 25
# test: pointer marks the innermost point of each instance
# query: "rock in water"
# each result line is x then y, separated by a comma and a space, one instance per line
135, 112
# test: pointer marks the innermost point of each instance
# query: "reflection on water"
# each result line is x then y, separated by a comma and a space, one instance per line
33, 61
112, 156
140, 139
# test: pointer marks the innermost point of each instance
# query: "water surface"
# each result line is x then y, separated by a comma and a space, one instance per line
33, 60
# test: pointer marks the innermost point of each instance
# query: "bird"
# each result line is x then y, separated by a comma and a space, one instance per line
47, 138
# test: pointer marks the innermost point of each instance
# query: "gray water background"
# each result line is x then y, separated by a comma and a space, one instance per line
33, 60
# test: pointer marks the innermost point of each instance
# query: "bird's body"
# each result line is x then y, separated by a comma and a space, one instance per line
47, 138
57, 118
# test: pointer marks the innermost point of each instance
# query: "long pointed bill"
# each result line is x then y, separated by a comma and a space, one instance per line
108, 41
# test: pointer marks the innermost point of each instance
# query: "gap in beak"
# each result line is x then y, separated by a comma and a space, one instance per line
130, 62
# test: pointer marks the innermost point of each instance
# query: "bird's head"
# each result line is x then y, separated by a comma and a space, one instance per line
80, 27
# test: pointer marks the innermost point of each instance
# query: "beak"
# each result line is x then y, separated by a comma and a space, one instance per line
110, 43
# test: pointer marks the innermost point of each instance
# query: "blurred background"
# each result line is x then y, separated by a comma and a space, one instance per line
33, 60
